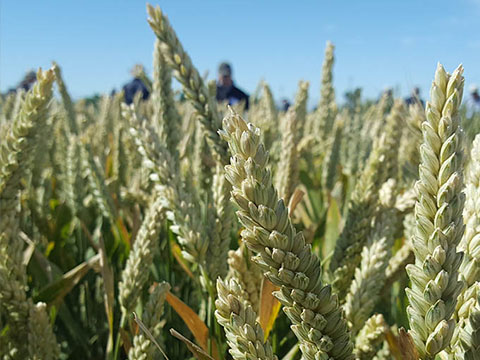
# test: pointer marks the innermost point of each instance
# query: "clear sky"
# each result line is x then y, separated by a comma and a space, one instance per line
378, 43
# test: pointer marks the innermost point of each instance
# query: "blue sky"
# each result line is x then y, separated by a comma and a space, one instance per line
378, 43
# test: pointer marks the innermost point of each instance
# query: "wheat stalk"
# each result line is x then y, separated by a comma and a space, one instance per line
16, 153
244, 334
283, 255
370, 337
438, 215
137, 268
193, 85
143, 348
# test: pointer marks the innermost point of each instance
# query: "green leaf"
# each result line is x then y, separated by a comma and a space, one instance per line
292, 353
54, 293
198, 352
149, 334
108, 283
332, 227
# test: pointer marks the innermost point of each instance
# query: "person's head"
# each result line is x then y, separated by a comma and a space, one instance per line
225, 74
474, 91
30, 77
28, 80
416, 91
137, 70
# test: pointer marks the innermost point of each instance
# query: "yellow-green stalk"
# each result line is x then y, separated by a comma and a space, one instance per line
327, 108
283, 255
143, 348
16, 153
434, 276
244, 334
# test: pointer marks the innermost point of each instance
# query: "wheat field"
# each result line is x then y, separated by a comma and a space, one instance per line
187, 229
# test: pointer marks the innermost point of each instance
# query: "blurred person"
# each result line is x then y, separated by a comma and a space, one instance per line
386, 96
352, 98
285, 104
415, 97
136, 85
226, 89
27, 82
473, 102
387, 93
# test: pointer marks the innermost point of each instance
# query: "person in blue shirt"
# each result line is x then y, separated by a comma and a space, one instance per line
226, 89
136, 85
26, 84
415, 98
473, 102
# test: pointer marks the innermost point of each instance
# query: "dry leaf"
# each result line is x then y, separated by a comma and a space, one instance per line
401, 346
269, 306
295, 199
194, 323
177, 254
407, 347
125, 336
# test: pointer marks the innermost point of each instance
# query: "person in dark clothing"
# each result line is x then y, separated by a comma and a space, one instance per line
473, 102
285, 104
136, 85
226, 89
415, 97
27, 82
